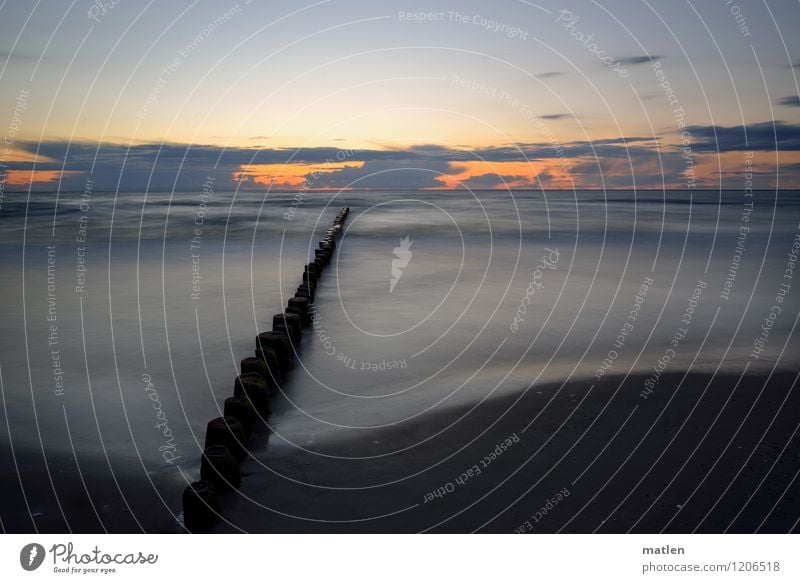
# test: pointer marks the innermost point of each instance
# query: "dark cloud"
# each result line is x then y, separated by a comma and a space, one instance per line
181, 167
761, 179
790, 100
550, 74
758, 136
609, 147
555, 116
639, 59
142, 167
490, 181
386, 174
429, 150
81, 155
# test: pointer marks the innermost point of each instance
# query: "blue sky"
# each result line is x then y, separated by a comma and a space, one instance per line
269, 92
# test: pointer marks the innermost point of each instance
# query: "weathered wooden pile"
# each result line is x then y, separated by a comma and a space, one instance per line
261, 377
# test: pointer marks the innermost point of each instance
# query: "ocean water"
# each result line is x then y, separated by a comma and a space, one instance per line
125, 317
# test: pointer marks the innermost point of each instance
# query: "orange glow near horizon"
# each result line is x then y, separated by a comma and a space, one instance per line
293, 176
550, 173
28, 177
503, 175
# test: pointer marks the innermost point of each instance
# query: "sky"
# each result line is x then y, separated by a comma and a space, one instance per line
131, 95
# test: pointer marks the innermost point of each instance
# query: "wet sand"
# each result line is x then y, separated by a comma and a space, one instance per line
696, 455
83, 497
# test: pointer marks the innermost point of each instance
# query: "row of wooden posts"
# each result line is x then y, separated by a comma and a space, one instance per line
261, 377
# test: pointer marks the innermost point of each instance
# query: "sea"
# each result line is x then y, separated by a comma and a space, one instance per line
126, 315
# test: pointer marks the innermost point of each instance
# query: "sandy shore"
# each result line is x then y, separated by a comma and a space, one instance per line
83, 497
696, 455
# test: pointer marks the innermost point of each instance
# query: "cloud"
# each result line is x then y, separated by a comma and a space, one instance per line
790, 100
387, 174
550, 74
182, 167
766, 135
168, 167
644, 169
492, 181
140, 167
639, 59
555, 116
608, 147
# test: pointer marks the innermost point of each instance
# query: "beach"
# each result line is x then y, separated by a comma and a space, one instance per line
702, 455
575, 335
